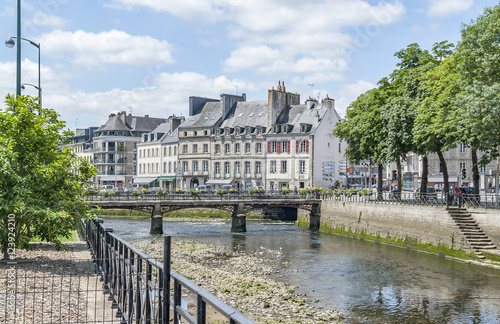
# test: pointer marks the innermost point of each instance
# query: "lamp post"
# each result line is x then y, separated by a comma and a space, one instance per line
10, 43
34, 86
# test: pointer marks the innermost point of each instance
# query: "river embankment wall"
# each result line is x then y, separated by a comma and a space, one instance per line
423, 224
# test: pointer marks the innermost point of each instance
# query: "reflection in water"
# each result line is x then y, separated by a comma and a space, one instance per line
369, 283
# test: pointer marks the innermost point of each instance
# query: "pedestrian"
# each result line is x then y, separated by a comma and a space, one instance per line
456, 196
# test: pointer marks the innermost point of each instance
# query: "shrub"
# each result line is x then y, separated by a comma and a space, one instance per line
161, 193
303, 191
285, 191
136, 193
194, 192
232, 190
145, 191
112, 193
179, 191
255, 191
220, 192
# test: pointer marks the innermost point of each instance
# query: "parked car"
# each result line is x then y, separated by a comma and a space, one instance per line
154, 190
226, 187
207, 188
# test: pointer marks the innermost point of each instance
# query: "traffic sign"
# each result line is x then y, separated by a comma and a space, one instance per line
328, 179
329, 164
327, 174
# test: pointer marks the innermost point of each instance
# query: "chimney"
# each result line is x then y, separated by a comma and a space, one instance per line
122, 116
311, 102
329, 103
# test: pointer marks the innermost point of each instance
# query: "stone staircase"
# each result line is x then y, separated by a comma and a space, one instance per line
471, 230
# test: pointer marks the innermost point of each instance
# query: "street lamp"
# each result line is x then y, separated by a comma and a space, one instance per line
34, 86
10, 43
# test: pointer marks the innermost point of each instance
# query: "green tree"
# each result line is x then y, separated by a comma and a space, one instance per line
362, 129
478, 59
41, 182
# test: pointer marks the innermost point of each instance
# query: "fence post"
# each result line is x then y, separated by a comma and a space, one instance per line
107, 256
167, 245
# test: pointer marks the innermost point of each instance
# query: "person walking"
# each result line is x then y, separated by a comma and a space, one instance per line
456, 196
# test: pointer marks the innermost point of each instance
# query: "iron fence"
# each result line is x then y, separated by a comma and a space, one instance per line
140, 287
52, 291
415, 198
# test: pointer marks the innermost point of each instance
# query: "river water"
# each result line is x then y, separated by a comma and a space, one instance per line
367, 282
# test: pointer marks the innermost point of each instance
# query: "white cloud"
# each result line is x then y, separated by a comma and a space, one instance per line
109, 47
285, 36
440, 8
350, 92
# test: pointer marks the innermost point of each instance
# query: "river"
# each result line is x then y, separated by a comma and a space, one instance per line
367, 282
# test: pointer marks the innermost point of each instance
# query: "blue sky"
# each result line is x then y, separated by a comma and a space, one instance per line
149, 56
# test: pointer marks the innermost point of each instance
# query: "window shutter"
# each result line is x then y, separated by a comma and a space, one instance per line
288, 147
307, 146
268, 146
297, 142
278, 147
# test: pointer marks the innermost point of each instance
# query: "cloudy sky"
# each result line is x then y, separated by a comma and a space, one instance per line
149, 56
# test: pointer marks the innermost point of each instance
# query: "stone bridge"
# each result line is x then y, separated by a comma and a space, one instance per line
237, 204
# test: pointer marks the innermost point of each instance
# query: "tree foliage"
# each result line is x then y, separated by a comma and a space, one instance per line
40, 181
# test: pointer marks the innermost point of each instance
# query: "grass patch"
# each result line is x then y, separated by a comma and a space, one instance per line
73, 237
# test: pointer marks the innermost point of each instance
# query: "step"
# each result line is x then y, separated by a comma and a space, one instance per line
475, 236
479, 240
484, 245
465, 221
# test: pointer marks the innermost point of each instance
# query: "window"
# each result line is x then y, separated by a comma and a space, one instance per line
340, 147
140, 153
304, 146
175, 150
195, 166
217, 148
258, 147
169, 167
185, 134
205, 148
257, 167
462, 148
157, 152
227, 168
302, 166
274, 146
184, 166
206, 133
283, 166
247, 167
149, 151
463, 166
258, 130
164, 167
170, 151
195, 148
273, 167
247, 147
441, 167
157, 169
205, 166
284, 146
237, 167
237, 148
195, 133
165, 151
227, 148
184, 149
482, 169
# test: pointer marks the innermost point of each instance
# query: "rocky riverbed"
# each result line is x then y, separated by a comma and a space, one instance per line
246, 281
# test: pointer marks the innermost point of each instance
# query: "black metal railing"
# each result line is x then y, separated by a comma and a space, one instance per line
416, 198
105, 197
139, 286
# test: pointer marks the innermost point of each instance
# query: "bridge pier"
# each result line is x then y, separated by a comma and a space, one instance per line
239, 219
156, 220
314, 217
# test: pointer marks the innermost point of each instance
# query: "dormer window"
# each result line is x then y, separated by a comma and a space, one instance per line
237, 131
217, 132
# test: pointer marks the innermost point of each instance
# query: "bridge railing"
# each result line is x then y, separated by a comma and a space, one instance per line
205, 196
415, 198
140, 286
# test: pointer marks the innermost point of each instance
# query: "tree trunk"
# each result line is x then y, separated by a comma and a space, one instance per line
475, 172
446, 188
380, 190
398, 164
425, 176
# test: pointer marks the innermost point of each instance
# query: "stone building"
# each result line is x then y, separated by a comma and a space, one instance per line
157, 155
115, 147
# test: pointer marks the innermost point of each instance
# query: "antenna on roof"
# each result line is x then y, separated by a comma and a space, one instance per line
129, 107
311, 85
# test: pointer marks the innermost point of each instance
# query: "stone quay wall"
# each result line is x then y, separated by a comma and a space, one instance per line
426, 224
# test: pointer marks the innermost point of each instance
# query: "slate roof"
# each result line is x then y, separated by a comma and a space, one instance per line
132, 123
171, 138
247, 113
300, 114
208, 117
